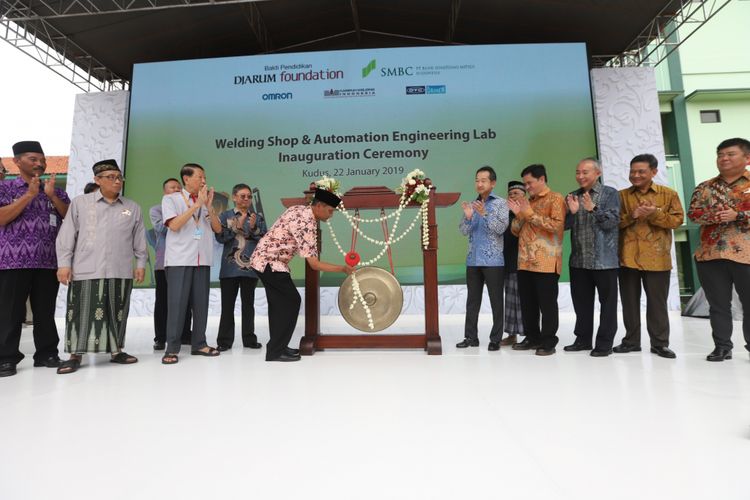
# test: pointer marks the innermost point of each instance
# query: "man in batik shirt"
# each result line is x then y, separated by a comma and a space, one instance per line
31, 211
593, 217
648, 214
484, 222
295, 232
722, 207
539, 225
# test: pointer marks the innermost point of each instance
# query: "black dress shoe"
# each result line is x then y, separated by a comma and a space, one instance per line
493, 346
468, 343
545, 352
600, 353
51, 362
524, 345
291, 352
159, 345
7, 369
622, 348
222, 348
664, 352
253, 345
719, 354
577, 346
286, 357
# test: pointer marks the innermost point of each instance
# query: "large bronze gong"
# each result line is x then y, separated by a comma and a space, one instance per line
382, 294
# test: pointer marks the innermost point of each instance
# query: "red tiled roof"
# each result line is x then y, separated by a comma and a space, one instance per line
55, 165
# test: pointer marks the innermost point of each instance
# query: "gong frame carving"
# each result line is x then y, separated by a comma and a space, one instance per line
375, 198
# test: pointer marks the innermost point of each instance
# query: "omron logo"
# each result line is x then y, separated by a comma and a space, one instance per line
368, 69
397, 71
250, 79
276, 96
436, 89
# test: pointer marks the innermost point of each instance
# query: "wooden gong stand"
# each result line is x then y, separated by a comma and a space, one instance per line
377, 197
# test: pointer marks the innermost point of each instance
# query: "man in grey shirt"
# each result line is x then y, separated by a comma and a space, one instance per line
169, 186
187, 259
99, 237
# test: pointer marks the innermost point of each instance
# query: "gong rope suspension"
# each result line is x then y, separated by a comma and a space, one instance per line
412, 189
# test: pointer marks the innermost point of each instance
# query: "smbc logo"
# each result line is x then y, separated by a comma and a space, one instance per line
368, 69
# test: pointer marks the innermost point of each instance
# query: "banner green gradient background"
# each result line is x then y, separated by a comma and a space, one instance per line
536, 99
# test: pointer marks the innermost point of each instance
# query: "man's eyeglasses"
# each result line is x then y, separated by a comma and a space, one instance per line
244, 196
112, 178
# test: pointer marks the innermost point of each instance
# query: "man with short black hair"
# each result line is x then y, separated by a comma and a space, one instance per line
31, 212
648, 214
169, 186
294, 232
722, 207
191, 218
539, 225
484, 222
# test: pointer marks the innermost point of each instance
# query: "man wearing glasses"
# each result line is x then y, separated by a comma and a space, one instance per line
31, 211
95, 249
241, 229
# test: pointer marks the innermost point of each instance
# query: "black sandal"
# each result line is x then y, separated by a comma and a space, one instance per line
210, 353
123, 358
169, 359
69, 366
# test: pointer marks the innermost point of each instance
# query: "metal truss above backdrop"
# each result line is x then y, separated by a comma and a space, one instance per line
664, 34
93, 44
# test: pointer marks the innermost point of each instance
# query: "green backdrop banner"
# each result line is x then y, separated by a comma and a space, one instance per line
366, 118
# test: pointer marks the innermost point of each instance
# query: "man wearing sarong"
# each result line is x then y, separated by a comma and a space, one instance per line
96, 245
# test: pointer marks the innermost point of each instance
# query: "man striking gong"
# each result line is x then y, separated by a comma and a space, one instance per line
295, 232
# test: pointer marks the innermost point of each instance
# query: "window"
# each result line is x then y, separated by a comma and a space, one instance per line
710, 116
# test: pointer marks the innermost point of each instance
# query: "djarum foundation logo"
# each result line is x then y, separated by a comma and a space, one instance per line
368, 69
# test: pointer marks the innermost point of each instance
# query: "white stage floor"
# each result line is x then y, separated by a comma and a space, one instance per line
469, 424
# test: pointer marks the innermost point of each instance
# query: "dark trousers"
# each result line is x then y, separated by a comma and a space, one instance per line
16, 285
656, 284
538, 294
160, 311
229, 288
283, 308
187, 286
717, 278
583, 283
476, 278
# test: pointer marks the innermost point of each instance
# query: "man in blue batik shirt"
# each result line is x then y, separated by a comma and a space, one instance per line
484, 222
593, 219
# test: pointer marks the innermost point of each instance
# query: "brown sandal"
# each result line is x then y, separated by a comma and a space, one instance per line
123, 358
211, 352
69, 366
169, 359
